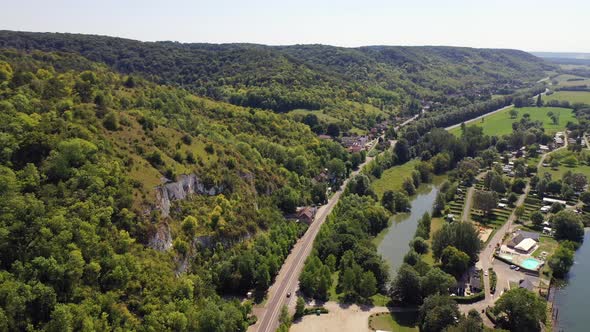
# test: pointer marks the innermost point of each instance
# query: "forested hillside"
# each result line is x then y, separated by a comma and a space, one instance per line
82, 150
283, 78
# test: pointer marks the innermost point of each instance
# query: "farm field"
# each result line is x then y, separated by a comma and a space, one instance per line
501, 123
571, 96
567, 80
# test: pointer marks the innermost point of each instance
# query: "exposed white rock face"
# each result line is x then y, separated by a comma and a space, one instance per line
186, 185
162, 240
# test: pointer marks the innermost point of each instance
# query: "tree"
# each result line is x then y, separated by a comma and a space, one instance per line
470, 323
299, 307
333, 130
419, 245
368, 285
436, 281
495, 182
360, 185
518, 186
519, 212
454, 261
437, 313
461, 235
408, 187
485, 200
568, 226
513, 113
336, 168
287, 199
401, 202
537, 218
524, 309
585, 197
111, 121
406, 285
411, 258
387, 200
577, 180
402, 151
539, 102
561, 261
468, 169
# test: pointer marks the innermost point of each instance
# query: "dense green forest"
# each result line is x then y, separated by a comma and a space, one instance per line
91, 126
82, 150
282, 78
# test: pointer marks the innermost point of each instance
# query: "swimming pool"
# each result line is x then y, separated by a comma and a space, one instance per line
530, 264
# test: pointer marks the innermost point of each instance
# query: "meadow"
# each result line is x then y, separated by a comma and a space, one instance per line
571, 96
500, 123
393, 178
568, 161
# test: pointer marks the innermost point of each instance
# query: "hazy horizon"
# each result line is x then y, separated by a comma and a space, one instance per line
532, 26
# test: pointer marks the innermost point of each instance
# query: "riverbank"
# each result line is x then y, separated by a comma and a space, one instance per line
570, 311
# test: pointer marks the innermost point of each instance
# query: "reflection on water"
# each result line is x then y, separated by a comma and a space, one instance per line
572, 298
395, 243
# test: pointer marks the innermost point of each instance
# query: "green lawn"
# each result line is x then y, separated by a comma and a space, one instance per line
501, 124
571, 96
394, 321
392, 178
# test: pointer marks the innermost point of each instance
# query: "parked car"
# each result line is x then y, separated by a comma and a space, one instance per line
517, 268
512, 267
289, 294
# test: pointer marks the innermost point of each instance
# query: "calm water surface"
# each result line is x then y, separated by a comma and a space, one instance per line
573, 300
395, 244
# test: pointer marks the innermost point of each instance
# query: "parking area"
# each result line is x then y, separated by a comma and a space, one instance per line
506, 276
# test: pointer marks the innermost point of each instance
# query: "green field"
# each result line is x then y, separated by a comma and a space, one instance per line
392, 178
501, 124
571, 96
578, 164
394, 321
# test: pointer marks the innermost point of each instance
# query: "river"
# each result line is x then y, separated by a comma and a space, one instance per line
571, 299
395, 242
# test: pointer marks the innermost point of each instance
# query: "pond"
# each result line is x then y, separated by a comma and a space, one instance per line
572, 298
394, 244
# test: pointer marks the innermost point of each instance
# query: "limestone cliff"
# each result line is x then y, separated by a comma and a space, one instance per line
179, 190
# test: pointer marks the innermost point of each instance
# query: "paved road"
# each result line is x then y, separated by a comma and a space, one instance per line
288, 277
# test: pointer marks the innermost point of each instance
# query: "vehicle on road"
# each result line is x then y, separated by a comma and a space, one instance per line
512, 267
485, 273
289, 294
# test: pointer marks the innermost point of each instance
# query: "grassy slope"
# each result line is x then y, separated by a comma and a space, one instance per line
501, 124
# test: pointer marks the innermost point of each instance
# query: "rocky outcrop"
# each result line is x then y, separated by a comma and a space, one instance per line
179, 190
162, 239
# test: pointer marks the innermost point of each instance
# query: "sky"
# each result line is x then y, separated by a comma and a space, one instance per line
559, 26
